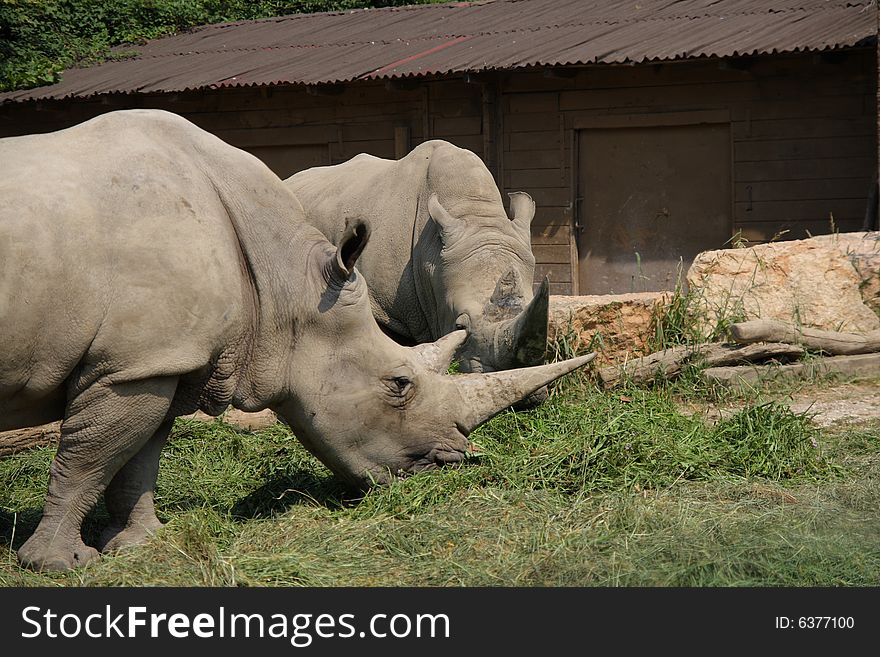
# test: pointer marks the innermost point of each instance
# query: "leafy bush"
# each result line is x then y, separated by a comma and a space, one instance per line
41, 38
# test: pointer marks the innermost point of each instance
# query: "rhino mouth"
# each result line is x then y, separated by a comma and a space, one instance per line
448, 454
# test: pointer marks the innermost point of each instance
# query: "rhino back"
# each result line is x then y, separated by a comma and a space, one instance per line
402, 262
464, 185
108, 269
386, 194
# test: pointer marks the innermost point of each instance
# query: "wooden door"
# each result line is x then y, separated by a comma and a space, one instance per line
651, 198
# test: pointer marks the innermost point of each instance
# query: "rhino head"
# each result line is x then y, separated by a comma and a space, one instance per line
369, 408
485, 284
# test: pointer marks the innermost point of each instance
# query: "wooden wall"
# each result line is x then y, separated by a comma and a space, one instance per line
803, 129
804, 132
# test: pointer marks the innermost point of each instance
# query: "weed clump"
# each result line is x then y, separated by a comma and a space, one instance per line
640, 438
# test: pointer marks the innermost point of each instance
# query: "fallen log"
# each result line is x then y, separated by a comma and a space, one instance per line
48, 434
669, 362
831, 342
21, 439
749, 376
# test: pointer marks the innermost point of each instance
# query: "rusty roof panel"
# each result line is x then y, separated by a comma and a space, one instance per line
464, 37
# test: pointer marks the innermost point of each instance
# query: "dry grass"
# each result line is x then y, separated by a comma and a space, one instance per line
591, 489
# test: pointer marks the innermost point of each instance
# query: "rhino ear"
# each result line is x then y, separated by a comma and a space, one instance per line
522, 211
450, 226
354, 239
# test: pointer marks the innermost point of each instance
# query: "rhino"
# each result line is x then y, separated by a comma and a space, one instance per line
443, 254
149, 269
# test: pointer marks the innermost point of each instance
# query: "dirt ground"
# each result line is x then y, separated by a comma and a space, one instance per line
826, 403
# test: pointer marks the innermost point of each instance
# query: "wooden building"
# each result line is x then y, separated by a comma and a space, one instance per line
666, 134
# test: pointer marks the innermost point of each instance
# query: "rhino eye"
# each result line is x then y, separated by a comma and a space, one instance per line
401, 383
400, 390
463, 321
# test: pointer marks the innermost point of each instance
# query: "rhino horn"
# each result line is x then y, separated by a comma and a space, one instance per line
486, 395
525, 336
438, 355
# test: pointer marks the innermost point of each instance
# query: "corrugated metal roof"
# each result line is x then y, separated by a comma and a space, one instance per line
468, 37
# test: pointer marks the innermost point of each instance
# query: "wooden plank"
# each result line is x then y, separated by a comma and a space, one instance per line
551, 230
659, 118
856, 104
559, 288
452, 107
764, 69
652, 75
553, 196
550, 235
453, 88
465, 125
549, 215
27, 119
796, 190
527, 179
819, 168
534, 159
528, 141
533, 102
847, 126
279, 136
855, 61
766, 232
401, 141
255, 119
296, 115
524, 122
552, 254
525, 81
379, 148
472, 143
703, 96
377, 110
367, 130
800, 149
557, 273
236, 100
779, 211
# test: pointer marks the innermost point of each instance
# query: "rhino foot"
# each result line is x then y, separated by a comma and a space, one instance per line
49, 553
115, 537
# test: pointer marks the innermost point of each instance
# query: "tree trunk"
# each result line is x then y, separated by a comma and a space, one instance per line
20, 439
831, 342
668, 363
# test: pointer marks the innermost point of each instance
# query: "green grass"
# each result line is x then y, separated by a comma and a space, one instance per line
589, 489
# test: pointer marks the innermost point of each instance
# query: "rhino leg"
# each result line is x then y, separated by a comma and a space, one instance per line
129, 497
104, 427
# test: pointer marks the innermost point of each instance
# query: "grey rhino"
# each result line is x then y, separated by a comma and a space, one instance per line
443, 254
149, 270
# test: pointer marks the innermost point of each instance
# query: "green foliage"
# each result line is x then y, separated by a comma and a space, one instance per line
40, 38
589, 488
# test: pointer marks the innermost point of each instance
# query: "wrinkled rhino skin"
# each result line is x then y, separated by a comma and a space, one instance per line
150, 270
443, 253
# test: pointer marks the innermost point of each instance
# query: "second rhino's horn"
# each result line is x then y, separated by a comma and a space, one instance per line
437, 356
485, 395
525, 336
